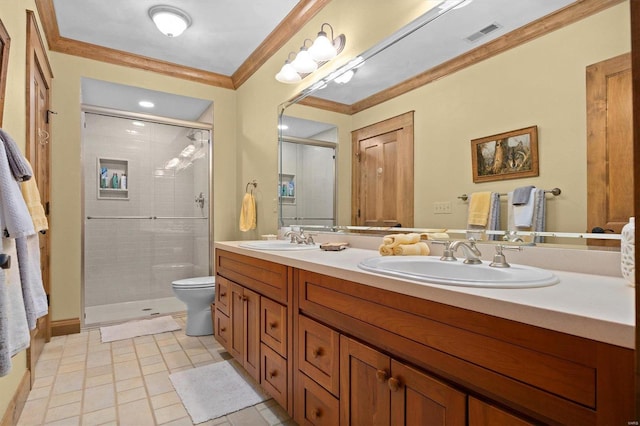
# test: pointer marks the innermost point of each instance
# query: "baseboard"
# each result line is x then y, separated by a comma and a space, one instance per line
14, 409
63, 327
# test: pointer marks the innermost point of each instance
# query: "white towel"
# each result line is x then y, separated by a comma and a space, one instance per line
14, 331
539, 214
523, 214
35, 299
14, 214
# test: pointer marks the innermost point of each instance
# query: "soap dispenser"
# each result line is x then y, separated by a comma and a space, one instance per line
628, 252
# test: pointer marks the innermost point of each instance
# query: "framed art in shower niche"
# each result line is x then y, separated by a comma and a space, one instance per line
4, 64
509, 155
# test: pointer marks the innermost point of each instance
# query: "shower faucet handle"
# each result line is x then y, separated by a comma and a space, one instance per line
200, 200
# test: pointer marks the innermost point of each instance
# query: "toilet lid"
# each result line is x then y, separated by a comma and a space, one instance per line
195, 282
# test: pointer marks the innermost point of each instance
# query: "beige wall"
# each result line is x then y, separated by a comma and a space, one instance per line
14, 18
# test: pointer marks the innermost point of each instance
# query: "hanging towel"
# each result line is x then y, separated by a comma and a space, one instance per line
14, 215
31, 195
479, 205
248, 213
493, 222
19, 167
521, 195
14, 331
539, 214
33, 294
523, 214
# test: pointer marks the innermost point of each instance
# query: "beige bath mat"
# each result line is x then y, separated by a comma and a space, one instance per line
137, 328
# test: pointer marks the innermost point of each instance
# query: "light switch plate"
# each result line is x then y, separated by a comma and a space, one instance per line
442, 207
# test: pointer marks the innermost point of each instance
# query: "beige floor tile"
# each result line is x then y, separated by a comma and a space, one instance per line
136, 413
163, 336
54, 352
43, 382
170, 413
201, 358
176, 359
99, 397
170, 348
99, 417
98, 380
129, 349
165, 399
33, 412
131, 395
68, 382
135, 382
126, 370
65, 398
47, 367
155, 359
122, 343
74, 349
147, 349
247, 417
185, 421
143, 339
71, 421
170, 340
98, 359
129, 356
153, 368
41, 392
158, 383
68, 368
99, 371
73, 359
62, 412
98, 347
196, 351
272, 412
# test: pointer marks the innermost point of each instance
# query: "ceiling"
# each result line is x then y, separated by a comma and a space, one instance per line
226, 35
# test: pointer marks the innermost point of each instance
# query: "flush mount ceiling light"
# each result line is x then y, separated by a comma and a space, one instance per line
310, 59
170, 20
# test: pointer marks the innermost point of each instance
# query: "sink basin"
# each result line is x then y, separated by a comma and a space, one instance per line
277, 245
433, 270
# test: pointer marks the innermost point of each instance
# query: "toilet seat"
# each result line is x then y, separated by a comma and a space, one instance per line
197, 282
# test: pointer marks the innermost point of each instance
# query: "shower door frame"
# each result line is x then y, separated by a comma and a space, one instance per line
127, 115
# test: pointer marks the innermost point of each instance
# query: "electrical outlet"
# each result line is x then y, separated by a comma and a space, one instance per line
442, 207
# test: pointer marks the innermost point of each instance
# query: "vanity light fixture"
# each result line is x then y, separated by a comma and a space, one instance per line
310, 59
170, 20
146, 104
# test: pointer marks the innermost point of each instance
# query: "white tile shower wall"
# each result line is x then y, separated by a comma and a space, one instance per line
134, 259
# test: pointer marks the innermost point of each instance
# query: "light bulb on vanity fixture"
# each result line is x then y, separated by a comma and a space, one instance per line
287, 73
323, 48
171, 21
304, 63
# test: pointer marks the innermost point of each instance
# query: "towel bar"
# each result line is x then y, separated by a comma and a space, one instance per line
554, 191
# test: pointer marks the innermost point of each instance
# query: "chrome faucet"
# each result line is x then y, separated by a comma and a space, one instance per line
499, 261
299, 237
470, 250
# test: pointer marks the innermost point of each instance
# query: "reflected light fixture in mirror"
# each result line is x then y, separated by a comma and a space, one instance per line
310, 59
169, 20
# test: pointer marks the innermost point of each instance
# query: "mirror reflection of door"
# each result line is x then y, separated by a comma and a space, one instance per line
307, 184
383, 173
609, 147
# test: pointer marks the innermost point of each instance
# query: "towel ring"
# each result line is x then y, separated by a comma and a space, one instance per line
254, 183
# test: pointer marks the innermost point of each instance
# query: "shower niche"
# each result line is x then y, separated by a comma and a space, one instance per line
112, 182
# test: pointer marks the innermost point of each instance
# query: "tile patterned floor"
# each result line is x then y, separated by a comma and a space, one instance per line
81, 381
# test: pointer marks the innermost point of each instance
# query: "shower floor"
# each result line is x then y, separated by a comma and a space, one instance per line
117, 312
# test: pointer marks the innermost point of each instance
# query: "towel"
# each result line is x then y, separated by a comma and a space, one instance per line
521, 195
31, 195
434, 236
523, 214
14, 215
385, 250
33, 294
493, 223
19, 167
479, 205
393, 240
539, 213
14, 331
416, 249
248, 213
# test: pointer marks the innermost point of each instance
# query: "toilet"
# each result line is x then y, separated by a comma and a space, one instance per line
198, 294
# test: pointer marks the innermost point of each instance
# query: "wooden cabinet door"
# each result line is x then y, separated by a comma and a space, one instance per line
251, 358
237, 316
482, 414
364, 393
418, 399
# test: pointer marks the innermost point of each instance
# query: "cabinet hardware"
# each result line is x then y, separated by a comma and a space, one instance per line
382, 376
245, 298
223, 294
273, 374
317, 352
223, 328
394, 384
316, 414
273, 325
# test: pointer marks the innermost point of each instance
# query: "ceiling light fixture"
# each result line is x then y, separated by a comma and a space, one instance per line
170, 20
310, 59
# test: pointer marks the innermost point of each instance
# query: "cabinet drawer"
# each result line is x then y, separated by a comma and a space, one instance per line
267, 278
273, 325
483, 414
221, 328
274, 374
223, 287
314, 405
318, 353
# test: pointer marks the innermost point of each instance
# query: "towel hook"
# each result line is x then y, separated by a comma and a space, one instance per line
253, 183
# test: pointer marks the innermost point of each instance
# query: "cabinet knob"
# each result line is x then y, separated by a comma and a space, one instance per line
223, 328
382, 376
273, 374
317, 352
394, 384
273, 325
223, 294
316, 413
245, 298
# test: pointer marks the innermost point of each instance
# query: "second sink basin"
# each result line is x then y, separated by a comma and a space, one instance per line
433, 270
277, 245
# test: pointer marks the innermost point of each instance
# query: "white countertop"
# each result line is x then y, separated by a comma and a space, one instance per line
596, 307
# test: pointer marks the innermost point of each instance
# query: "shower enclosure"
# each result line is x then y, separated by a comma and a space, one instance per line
146, 214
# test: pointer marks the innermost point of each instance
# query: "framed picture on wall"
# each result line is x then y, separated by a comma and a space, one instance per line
4, 63
509, 155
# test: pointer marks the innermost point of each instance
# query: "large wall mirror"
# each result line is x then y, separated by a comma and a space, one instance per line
5, 40
472, 69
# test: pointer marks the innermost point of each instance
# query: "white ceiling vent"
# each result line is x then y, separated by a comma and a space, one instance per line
483, 32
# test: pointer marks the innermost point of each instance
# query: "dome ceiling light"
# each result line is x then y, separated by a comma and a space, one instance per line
170, 20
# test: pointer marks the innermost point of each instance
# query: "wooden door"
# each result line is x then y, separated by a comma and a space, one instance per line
251, 357
38, 148
482, 414
417, 399
237, 318
364, 394
609, 146
382, 182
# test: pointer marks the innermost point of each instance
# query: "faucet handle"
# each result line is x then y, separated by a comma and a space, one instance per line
447, 254
499, 261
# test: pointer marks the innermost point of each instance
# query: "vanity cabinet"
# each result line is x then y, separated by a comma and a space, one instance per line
252, 319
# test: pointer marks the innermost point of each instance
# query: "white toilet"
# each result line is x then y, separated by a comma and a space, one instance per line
198, 294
